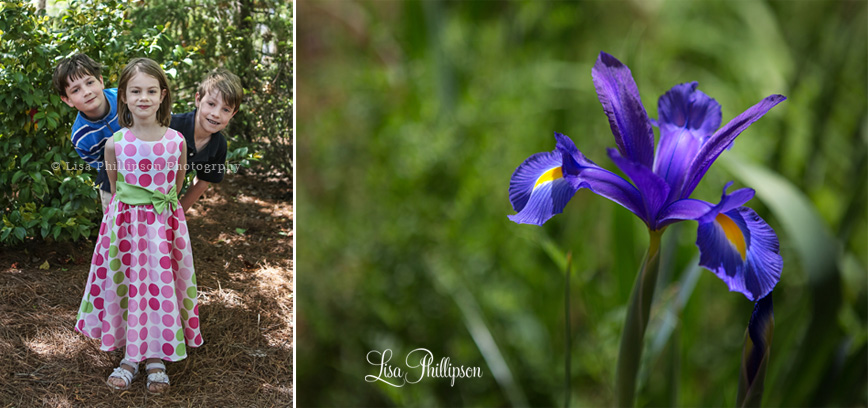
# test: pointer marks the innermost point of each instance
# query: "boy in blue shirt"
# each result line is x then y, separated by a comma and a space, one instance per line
78, 80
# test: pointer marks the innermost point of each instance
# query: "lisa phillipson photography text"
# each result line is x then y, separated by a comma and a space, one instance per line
418, 365
227, 168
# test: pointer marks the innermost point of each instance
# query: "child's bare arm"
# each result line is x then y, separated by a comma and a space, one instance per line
182, 167
111, 163
194, 192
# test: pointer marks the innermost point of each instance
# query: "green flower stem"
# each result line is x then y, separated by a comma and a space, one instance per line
630, 353
568, 331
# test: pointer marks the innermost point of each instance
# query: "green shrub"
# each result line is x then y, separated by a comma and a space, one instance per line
253, 39
47, 191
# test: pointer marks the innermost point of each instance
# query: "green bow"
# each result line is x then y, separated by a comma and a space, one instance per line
137, 195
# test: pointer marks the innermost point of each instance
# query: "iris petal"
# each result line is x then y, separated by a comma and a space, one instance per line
760, 328
628, 119
687, 118
702, 211
685, 107
742, 250
653, 189
728, 201
686, 209
543, 184
610, 185
538, 190
597, 179
723, 138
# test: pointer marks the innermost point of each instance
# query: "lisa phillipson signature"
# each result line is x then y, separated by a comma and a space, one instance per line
419, 364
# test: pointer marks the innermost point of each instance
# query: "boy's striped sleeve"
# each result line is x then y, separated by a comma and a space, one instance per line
89, 143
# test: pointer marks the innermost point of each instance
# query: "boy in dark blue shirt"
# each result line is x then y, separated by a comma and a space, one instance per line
217, 101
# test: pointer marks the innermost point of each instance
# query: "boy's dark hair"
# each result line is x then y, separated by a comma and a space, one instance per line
223, 80
73, 68
145, 66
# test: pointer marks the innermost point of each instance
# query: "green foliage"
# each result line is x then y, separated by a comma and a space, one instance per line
253, 39
47, 190
415, 114
240, 157
34, 134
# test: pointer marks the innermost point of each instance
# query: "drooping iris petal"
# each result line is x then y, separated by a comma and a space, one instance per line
606, 184
573, 160
728, 201
686, 209
687, 118
742, 250
627, 116
538, 189
692, 209
542, 185
722, 139
653, 189
597, 179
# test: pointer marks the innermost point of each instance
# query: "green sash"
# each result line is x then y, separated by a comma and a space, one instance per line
137, 195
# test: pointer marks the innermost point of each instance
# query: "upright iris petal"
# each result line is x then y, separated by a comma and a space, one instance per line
627, 117
687, 118
722, 139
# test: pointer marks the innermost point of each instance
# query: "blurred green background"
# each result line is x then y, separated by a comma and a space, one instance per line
412, 117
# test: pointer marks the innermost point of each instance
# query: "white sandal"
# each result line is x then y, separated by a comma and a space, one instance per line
124, 374
160, 377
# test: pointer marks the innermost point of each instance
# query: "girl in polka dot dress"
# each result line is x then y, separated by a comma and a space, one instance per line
141, 291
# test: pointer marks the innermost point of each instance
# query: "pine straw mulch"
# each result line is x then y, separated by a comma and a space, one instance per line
242, 233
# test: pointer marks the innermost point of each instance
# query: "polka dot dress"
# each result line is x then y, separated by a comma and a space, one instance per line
141, 291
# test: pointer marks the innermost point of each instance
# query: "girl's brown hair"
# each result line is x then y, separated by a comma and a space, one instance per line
145, 66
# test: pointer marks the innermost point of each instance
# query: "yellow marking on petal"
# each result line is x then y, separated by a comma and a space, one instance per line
733, 233
550, 175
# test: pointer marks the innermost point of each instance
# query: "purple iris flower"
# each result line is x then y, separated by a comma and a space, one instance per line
734, 242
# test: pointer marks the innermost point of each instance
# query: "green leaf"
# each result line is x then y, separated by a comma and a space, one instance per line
20, 233
37, 177
240, 231
17, 176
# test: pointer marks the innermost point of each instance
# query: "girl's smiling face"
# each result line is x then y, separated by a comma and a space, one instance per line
143, 96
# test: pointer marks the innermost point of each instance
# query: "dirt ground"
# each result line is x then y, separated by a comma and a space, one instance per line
242, 235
